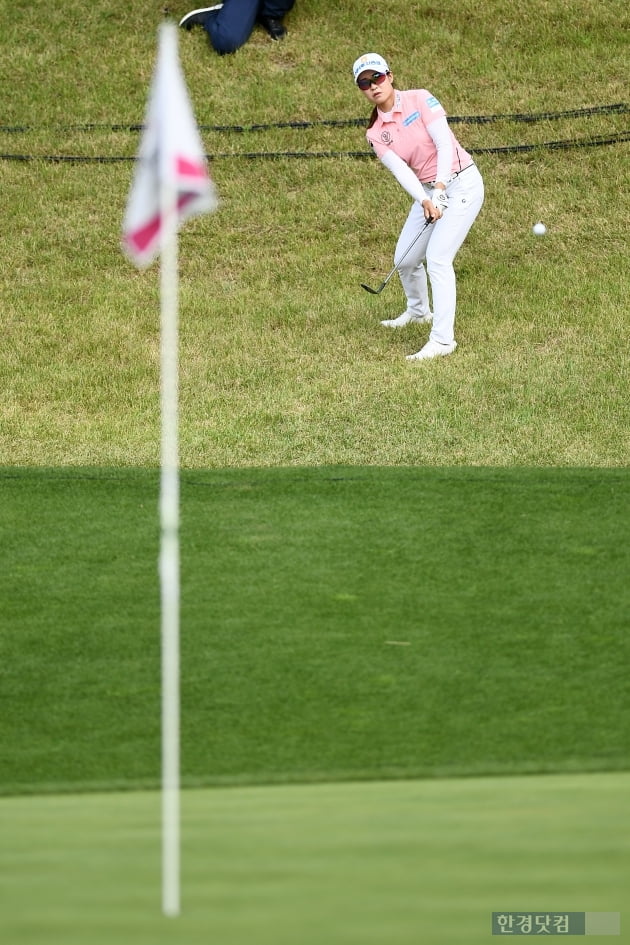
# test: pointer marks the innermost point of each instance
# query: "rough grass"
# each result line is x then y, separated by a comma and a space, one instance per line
283, 361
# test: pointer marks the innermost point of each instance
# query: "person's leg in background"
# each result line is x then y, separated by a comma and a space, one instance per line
229, 25
271, 14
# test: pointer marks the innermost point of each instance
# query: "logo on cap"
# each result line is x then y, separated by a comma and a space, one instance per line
369, 61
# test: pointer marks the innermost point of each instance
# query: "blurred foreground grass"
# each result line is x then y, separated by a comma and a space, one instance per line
353, 864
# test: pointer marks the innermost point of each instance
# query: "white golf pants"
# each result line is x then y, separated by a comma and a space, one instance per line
437, 247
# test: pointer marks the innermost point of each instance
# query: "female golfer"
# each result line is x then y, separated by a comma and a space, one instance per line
410, 134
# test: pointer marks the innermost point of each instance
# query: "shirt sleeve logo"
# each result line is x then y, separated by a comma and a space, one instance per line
386, 137
433, 103
409, 120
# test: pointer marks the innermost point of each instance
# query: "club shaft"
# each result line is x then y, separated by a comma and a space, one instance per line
397, 266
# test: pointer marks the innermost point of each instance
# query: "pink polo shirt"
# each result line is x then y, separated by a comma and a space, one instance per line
404, 131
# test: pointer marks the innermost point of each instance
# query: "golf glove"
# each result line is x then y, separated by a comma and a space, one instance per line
439, 199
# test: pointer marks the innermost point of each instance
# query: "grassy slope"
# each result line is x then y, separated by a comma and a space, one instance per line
283, 359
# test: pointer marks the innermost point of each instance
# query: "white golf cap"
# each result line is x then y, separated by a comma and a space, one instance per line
369, 60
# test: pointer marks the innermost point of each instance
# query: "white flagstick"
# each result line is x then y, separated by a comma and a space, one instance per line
169, 550
169, 561
170, 184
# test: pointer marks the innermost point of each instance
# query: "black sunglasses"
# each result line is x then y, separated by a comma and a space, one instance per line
377, 79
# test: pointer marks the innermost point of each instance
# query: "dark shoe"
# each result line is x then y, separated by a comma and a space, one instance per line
274, 27
198, 17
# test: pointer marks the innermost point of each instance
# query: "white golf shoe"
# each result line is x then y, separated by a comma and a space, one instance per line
408, 318
432, 349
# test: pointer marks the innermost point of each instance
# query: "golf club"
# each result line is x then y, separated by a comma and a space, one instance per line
395, 269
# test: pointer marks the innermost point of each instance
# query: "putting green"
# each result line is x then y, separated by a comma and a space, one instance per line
378, 863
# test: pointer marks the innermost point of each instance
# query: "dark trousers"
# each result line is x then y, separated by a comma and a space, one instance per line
232, 26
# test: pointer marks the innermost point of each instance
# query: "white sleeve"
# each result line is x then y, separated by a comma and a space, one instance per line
404, 175
443, 141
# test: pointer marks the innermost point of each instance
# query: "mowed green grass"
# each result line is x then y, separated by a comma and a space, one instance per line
336, 623
395, 862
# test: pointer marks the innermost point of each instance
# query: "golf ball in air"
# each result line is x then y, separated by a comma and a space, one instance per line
539, 229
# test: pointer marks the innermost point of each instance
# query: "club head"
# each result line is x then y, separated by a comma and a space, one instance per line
372, 291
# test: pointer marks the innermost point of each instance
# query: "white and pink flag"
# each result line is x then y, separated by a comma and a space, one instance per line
170, 160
